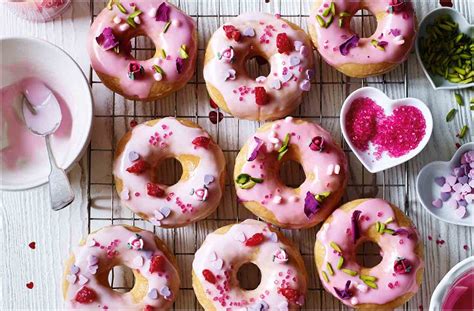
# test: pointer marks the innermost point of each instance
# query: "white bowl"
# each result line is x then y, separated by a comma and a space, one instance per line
29, 57
438, 82
448, 280
369, 161
428, 191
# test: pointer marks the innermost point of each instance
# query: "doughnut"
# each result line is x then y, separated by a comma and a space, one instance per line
330, 29
199, 190
285, 46
172, 32
85, 279
389, 284
260, 188
283, 276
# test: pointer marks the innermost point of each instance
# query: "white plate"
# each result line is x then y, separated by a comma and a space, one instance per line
26, 57
367, 158
427, 190
448, 280
438, 82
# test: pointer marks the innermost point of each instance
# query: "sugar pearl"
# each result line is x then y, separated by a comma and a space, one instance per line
137, 20
124, 27
152, 12
337, 169
277, 199
117, 20
158, 76
330, 169
289, 119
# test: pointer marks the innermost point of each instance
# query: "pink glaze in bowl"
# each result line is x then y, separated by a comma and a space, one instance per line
23, 157
38, 10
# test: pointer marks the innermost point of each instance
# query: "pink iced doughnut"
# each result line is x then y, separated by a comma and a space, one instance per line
257, 177
199, 190
390, 283
173, 34
285, 46
329, 26
85, 281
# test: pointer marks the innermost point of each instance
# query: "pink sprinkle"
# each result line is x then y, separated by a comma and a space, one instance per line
401, 241
390, 285
465, 247
380, 214
137, 194
430, 237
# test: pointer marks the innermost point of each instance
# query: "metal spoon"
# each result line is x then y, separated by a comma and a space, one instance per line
42, 116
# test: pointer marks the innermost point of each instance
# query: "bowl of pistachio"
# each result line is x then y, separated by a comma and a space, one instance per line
445, 49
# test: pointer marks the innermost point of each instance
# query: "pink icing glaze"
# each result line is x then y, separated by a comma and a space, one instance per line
390, 285
180, 32
224, 263
170, 138
288, 75
110, 247
398, 29
325, 171
459, 296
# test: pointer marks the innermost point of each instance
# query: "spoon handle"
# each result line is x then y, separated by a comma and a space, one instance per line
60, 190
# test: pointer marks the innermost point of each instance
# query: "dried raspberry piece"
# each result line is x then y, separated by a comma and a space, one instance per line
148, 308
85, 295
232, 33
291, 294
261, 97
283, 43
255, 240
202, 141
157, 264
209, 276
138, 167
133, 123
154, 190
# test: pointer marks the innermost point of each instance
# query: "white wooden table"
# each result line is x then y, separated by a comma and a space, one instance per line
26, 216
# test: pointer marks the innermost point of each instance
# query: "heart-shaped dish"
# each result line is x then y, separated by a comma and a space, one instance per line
427, 190
376, 164
438, 82
448, 280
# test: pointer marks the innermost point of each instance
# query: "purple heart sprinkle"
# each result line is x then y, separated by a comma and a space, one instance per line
310, 74
248, 32
295, 60
165, 211
165, 291
208, 179
440, 181
305, 85
437, 203
75, 269
153, 294
445, 196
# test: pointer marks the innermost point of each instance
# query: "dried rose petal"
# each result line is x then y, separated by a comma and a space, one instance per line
311, 205
348, 44
317, 143
163, 13
107, 39
402, 266
179, 64
254, 153
135, 70
355, 225
344, 293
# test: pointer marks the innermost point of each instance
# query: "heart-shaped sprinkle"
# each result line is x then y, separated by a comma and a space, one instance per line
446, 188
273, 237
461, 212
437, 203
276, 84
32, 245
165, 211
215, 117
295, 60
213, 256
83, 280
91, 243
138, 261
248, 32
451, 180
440, 181
165, 291
158, 215
465, 188
208, 179
298, 45
74, 269
457, 187
92, 260
30, 285
125, 194
231, 74
304, 51
462, 203
469, 198
463, 179
445, 196
240, 236
305, 85
92, 269
218, 263
453, 204
153, 294
71, 278
286, 76
133, 156
310, 74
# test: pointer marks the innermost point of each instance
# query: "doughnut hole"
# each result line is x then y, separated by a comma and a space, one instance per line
292, 173
368, 254
363, 23
143, 47
249, 276
168, 172
257, 66
121, 279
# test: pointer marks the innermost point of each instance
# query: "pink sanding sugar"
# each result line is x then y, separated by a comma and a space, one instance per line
396, 134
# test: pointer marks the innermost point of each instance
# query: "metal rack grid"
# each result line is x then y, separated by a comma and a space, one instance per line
391, 184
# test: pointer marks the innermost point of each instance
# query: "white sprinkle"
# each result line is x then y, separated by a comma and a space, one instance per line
261, 79
117, 20
124, 27
152, 12
213, 256
337, 169
363, 288
138, 261
277, 146
288, 119
354, 301
176, 23
399, 40
293, 199
274, 140
158, 76
218, 264
137, 20
125, 194
330, 169
277, 199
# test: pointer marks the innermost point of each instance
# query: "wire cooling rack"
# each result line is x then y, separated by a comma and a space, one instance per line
113, 115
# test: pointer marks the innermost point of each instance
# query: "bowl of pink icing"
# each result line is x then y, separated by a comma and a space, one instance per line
384, 132
26, 62
455, 291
